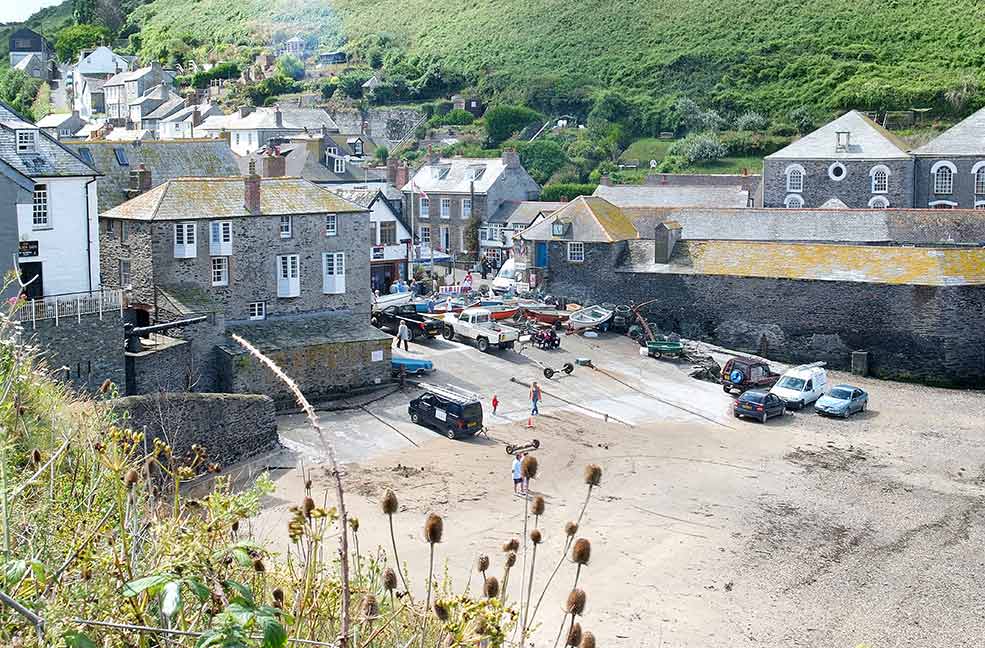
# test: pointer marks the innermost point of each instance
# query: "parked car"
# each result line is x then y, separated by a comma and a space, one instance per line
843, 401
747, 373
410, 366
505, 280
758, 404
419, 325
454, 413
802, 385
477, 324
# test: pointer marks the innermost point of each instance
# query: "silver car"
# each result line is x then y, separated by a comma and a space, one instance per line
843, 401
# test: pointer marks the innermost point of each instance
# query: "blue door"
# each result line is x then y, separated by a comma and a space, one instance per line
540, 254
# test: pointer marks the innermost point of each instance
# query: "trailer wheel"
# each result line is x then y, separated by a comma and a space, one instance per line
548, 373
568, 368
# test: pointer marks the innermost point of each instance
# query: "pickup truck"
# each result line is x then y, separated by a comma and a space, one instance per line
390, 317
477, 324
743, 374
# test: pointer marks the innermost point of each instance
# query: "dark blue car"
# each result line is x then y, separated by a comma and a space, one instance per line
759, 405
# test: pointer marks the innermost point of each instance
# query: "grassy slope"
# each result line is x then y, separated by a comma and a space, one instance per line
765, 54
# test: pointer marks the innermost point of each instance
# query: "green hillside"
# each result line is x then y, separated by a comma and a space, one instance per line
763, 55
48, 22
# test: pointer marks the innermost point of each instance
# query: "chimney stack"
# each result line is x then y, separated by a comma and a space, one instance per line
403, 176
391, 171
273, 166
251, 198
432, 157
511, 159
605, 181
140, 181
278, 117
244, 111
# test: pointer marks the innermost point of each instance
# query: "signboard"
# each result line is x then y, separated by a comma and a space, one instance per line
378, 251
27, 249
440, 414
377, 356
522, 287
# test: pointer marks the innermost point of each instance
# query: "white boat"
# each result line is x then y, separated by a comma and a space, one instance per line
589, 317
393, 299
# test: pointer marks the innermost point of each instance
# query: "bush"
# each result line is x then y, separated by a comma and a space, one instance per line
698, 147
503, 121
541, 159
751, 121
803, 119
351, 83
745, 144
200, 80
382, 153
696, 119
328, 89
290, 66
18, 90
458, 117
443, 107
271, 87
555, 192
71, 40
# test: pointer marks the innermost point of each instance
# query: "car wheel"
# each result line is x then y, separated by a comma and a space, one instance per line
483, 344
726, 389
764, 417
415, 418
450, 433
375, 322
864, 405
800, 405
736, 415
449, 333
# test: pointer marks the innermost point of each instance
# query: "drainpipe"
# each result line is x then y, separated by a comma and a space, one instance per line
89, 236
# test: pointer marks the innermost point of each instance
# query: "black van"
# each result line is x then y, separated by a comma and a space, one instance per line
456, 415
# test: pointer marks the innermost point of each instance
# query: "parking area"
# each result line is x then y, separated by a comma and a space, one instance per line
708, 531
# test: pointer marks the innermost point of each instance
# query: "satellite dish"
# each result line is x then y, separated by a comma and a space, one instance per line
653, 164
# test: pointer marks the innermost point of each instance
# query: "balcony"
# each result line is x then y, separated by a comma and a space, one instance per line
70, 306
395, 252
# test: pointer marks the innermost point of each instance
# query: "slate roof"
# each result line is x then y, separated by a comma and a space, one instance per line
166, 109
303, 160
54, 120
522, 212
868, 141
592, 220
967, 137
291, 119
277, 334
166, 160
129, 75
25, 63
673, 196
207, 198
51, 159
452, 175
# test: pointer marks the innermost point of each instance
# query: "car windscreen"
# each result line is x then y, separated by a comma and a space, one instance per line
472, 412
789, 382
841, 394
753, 397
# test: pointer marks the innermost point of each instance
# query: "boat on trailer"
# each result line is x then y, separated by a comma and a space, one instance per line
589, 317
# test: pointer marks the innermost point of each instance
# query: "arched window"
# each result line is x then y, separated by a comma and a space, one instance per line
879, 202
943, 173
979, 171
980, 205
880, 179
793, 202
795, 178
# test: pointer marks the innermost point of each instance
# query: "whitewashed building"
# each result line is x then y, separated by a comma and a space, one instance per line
89, 74
251, 128
388, 233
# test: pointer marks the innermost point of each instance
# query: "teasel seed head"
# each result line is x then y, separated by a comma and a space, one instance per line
587, 640
278, 595
581, 553
482, 564
536, 537
258, 566
574, 635
307, 485
130, 479
529, 467
35, 458
441, 610
510, 559
512, 545
575, 605
103, 388
593, 474
491, 587
537, 507
389, 579
354, 524
434, 527
235, 526
389, 503
370, 607
570, 529
309, 506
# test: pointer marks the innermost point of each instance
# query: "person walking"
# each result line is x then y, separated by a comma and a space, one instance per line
467, 282
484, 265
495, 403
403, 335
535, 396
517, 474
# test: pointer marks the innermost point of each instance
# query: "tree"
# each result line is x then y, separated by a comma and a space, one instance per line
503, 121
71, 40
542, 159
382, 153
698, 147
42, 102
351, 83
83, 10
18, 90
751, 121
802, 119
290, 66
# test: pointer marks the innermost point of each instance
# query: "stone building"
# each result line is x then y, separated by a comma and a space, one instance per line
251, 129
24, 43
122, 89
88, 75
849, 162
447, 193
949, 171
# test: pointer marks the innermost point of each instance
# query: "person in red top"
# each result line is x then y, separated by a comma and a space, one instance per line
495, 403
467, 282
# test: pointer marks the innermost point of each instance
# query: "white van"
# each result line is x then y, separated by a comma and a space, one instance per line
802, 385
505, 279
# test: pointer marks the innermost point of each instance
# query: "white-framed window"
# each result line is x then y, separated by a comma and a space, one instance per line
837, 172
942, 204
221, 238
446, 207
331, 224
27, 141
333, 273
979, 172
124, 268
286, 226
576, 251
980, 205
466, 207
445, 238
483, 234
39, 212
879, 202
124, 231
425, 207
184, 241
339, 165
943, 173
357, 147
424, 233
220, 271
288, 275
388, 233
795, 178
880, 179
256, 310
793, 202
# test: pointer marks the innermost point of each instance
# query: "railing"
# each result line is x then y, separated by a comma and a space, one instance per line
71, 306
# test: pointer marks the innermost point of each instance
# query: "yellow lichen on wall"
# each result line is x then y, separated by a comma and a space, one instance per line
826, 262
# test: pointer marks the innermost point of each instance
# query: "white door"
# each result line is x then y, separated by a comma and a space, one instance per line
334, 268
288, 276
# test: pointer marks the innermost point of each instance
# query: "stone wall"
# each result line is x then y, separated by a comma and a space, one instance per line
929, 334
91, 350
231, 427
964, 182
131, 241
390, 124
456, 224
855, 189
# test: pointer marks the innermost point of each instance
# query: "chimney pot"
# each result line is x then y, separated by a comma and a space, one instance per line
251, 197
604, 181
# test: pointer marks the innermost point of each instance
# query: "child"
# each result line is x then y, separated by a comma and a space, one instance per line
517, 474
495, 404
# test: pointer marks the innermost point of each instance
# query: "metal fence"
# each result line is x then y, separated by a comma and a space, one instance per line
71, 306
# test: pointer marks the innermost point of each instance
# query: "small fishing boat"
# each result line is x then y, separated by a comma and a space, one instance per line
501, 311
589, 317
393, 299
545, 313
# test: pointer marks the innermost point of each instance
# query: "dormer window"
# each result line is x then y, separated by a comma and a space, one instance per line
27, 141
475, 172
843, 141
440, 172
357, 147
559, 228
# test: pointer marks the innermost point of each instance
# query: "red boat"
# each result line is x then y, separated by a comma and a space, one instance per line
545, 314
502, 312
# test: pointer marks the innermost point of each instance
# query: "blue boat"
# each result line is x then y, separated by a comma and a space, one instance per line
410, 366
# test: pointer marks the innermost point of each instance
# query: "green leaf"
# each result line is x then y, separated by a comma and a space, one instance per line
274, 634
75, 639
200, 591
244, 593
171, 602
242, 556
241, 614
13, 571
152, 583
